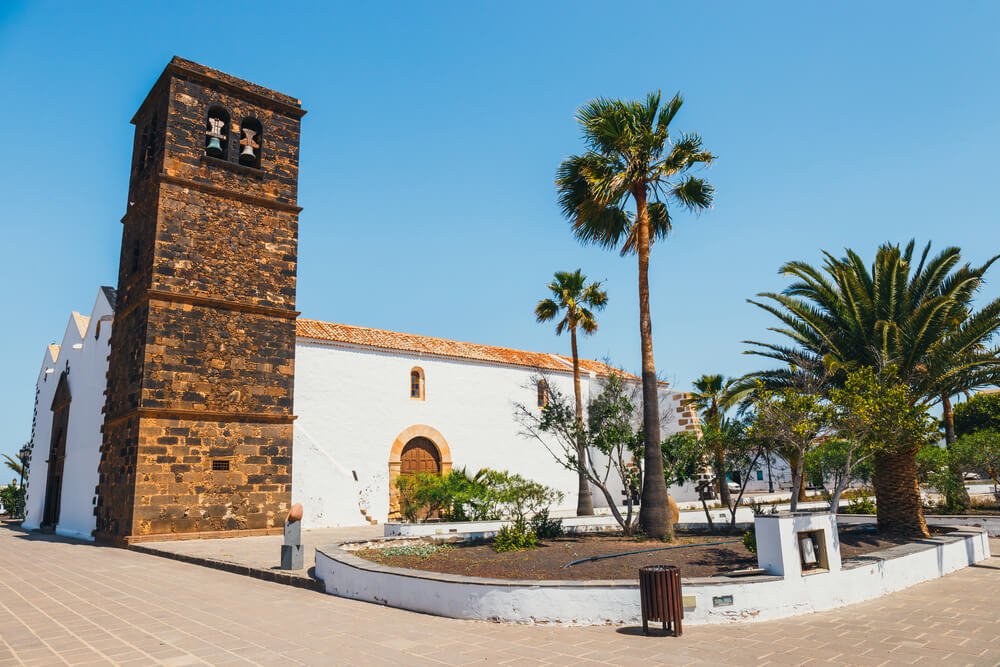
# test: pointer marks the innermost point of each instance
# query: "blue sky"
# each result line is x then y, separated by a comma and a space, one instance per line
434, 130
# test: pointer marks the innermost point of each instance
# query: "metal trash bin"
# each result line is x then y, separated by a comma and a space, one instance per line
660, 592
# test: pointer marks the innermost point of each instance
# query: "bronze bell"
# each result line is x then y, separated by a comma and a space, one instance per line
215, 137
247, 155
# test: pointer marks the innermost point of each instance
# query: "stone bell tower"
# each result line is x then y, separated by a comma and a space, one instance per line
198, 416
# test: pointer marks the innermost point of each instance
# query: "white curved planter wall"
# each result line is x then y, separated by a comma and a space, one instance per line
599, 603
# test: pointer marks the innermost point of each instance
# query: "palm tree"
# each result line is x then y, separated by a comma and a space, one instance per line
913, 313
631, 157
14, 464
710, 399
573, 296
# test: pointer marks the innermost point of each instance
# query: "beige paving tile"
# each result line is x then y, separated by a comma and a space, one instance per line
139, 609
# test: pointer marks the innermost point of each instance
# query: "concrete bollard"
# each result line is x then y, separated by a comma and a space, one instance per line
291, 550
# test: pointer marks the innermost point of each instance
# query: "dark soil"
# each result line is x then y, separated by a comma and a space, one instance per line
547, 561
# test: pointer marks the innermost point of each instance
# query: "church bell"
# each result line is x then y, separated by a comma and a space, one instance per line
215, 137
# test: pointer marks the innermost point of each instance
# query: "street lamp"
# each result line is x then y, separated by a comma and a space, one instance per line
22, 455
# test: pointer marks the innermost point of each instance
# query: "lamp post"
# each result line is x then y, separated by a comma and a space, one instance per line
23, 455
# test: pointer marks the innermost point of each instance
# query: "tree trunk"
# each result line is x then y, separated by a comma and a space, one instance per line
897, 495
957, 497
803, 496
720, 476
797, 463
653, 511
584, 500
770, 477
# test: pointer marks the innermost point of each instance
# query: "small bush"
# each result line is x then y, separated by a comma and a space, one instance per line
750, 540
546, 528
12, 500
515, 537
860, 506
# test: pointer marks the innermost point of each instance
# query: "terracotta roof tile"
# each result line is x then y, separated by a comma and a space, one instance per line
392, 340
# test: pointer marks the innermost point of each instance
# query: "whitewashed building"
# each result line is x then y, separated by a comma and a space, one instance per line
370, 404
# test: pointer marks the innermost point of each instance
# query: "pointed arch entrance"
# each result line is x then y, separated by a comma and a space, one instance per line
419, 448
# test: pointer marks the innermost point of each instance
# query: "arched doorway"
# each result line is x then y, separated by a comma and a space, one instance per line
419, 455
419, 448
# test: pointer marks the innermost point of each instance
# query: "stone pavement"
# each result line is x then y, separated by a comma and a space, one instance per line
259, 556
65, 602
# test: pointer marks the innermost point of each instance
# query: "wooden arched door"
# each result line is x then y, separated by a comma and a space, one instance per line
420, 455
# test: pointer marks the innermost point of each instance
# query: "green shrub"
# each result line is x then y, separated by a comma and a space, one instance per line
515, 537
12, 499
546, 528
750, 540
860, 506
489, 495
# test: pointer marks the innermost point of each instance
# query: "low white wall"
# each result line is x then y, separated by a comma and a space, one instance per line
576, 524
617, 602
991, 524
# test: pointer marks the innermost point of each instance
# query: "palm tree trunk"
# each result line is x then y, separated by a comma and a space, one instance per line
897, 495
956, 496
584, 500
653, 511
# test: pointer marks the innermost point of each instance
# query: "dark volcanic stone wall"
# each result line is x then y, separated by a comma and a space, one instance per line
198, 417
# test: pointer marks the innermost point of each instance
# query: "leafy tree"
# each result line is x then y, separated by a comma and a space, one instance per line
610, 430
741, 452
980, 450
794, 421
684, 461
874, 414
837, 460
616, 195
914, 312
981, 412
577, 300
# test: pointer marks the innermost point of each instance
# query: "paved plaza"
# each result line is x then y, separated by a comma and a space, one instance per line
65, 602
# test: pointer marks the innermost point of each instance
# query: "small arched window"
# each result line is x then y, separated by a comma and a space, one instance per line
417, 384
251, 142
543, 393
217, 133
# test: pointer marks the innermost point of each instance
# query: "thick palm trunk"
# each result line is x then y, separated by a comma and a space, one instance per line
957, 496
653, 511
584, 500
897, 495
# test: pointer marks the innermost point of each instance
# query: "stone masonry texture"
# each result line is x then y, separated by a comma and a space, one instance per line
199, 407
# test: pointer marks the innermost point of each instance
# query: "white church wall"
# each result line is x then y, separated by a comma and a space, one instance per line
86, 358
87, 379
69, 351
353, 402
41, 437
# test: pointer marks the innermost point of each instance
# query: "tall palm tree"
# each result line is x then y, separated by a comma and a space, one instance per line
572, 296
710, 399
616, 196
912, 312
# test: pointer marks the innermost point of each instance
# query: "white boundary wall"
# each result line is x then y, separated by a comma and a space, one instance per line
755, 598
